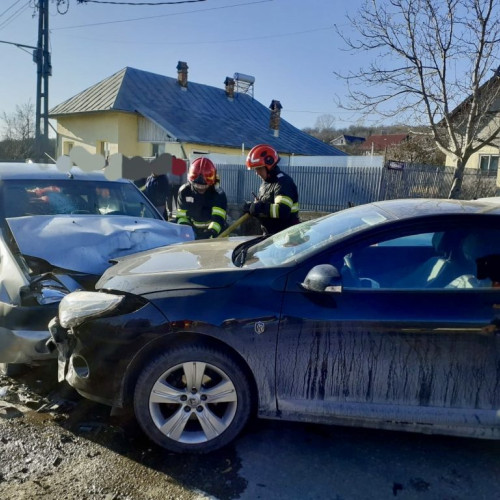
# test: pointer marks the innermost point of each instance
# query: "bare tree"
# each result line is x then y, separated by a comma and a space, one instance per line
432, 62
325, 122
19, 132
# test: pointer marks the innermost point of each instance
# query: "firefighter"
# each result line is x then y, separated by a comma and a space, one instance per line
201, 202
156, 189
277, 204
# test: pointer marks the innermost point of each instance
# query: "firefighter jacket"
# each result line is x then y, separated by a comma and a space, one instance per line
277, 206
206, 212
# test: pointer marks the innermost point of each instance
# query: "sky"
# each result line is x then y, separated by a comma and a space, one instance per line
290, 47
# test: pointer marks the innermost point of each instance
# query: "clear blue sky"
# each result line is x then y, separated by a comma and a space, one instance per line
289, 46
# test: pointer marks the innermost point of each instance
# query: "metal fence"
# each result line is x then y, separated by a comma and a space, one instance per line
329, 188
426, 181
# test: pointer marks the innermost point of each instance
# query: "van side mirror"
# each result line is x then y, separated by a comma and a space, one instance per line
323, 278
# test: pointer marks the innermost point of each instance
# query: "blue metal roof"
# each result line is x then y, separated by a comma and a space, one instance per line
201, 113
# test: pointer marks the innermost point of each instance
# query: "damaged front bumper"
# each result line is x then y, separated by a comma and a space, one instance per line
24, 333
24, 346
59, 344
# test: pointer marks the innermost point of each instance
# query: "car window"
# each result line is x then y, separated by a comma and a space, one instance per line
423, 239
72, 196
450, 259
298, 242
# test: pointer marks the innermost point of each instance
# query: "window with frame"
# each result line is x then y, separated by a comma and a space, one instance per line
67, 147
157, 148
488, 163
103, 148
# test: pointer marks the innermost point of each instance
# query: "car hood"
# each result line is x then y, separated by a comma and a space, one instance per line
87, 243
199, 264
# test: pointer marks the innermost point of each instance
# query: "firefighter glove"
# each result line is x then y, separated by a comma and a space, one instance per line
253, 207
246, 207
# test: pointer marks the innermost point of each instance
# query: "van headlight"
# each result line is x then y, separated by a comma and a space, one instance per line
77, 307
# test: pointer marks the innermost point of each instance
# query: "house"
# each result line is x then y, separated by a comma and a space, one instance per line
378, 144
486, 126
138, 113
347, 140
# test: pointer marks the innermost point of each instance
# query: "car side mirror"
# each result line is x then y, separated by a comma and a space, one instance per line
323, 278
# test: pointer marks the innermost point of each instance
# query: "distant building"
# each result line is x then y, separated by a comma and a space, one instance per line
378, 144
138, 113
487, 157
347, 140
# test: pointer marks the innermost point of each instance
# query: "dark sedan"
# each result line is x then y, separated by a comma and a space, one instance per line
385, 315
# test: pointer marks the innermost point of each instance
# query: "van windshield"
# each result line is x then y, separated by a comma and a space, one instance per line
22, 197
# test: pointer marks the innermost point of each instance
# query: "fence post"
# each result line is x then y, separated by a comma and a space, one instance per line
497, 190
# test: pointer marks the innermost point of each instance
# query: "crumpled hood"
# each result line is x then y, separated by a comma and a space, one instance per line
86, 243
199, 264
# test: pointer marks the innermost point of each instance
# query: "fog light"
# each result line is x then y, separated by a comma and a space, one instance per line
80, 367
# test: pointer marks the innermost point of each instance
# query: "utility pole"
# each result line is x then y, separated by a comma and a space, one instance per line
41, 56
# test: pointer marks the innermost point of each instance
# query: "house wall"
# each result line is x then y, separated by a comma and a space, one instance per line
492, 126
194, 149
117, 132
473, 161
120, 133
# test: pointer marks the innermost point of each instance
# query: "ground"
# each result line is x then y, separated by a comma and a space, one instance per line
54, 444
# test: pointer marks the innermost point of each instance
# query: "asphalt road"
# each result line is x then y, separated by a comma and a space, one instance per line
53, 444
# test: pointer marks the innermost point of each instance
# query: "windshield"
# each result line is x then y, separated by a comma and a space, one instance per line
299, 241
72, 196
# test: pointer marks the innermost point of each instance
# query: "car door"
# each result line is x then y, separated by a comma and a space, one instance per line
402, 353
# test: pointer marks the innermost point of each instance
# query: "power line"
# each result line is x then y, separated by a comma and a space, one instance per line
277, 35
139, 3
15, 14
211, 42
158, 16
7, 10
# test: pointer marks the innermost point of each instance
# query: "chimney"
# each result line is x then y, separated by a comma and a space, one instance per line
229, 83
274, 122
182, 74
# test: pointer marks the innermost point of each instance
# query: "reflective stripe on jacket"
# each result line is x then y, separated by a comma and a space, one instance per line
202, 211
279, 202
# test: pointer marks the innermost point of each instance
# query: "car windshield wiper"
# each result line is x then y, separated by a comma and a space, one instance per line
240, 252
240, 255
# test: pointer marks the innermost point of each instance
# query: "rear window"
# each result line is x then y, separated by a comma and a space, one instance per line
70, 196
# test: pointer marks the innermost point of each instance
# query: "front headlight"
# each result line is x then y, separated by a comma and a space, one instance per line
77, 307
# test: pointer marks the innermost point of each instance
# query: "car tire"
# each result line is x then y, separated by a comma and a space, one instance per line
12, 369
192, 399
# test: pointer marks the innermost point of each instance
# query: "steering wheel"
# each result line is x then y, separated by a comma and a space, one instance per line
349, 273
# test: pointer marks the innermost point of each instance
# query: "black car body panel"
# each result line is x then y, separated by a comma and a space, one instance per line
369, 347
200, 264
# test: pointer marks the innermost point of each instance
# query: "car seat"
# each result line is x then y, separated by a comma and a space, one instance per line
447, 262
476, 246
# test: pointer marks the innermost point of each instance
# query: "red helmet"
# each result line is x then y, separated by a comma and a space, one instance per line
262, 155
202, 171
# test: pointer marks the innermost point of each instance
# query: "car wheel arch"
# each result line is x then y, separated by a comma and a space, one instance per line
178, 340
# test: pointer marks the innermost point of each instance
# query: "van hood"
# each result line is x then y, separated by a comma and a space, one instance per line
87, 243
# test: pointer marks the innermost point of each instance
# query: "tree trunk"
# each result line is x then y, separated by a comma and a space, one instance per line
458, 177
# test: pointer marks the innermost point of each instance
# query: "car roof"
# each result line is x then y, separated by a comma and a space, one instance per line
421, 207
19, 170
